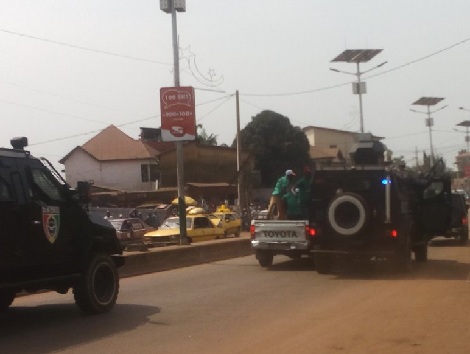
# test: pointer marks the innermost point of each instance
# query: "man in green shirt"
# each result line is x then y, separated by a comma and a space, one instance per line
283, 184
294, 210
303, 187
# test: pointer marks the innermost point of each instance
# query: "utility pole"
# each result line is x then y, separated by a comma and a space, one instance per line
241, 199
416, 156
170, 6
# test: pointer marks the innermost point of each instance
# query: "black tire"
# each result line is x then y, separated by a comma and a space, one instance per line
237, 233
403, 257
421, 252
6, 299
323, 263
295, 256
463, 237
97, 290
347, 214
265, 259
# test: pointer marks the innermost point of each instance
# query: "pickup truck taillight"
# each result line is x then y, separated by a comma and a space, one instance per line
464, 220
310, 231
252, 231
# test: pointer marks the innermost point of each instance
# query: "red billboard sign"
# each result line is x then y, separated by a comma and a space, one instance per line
178, 113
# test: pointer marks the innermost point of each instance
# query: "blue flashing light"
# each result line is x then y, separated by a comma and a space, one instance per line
386, 181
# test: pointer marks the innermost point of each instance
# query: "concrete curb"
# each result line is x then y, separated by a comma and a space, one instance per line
172, 257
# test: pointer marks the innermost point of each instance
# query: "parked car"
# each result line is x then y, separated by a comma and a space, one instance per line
198, 228
130, 230
459, 218
229, 221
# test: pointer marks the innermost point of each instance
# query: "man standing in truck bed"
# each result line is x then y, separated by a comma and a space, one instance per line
303, 189
280, 190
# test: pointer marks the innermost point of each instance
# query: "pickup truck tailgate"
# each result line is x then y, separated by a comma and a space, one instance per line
288, 234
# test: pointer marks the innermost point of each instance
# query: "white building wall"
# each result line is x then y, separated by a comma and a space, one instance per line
81, 167
122, 174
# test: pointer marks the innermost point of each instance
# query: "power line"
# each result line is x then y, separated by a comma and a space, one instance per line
216, 107
49, 111
85, 48
123, 124
368, 77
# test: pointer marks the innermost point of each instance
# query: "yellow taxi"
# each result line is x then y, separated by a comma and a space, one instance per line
228, 220
198, 228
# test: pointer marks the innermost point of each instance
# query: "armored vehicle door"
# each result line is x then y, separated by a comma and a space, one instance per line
13, 223
435, 209
54, 225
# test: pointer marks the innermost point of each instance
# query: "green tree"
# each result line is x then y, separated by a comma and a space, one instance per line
205, 139
276, 145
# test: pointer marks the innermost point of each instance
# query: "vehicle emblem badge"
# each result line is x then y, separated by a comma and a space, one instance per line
51, 222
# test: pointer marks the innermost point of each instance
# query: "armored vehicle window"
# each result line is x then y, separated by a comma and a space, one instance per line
435, 188
18, 188
45, 185
5, 191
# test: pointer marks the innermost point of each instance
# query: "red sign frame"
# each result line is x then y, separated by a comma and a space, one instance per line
178, 113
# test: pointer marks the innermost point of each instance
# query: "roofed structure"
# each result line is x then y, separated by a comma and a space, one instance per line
112, 144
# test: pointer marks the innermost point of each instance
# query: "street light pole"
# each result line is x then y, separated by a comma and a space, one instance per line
359, 89
241, 200
428, 102
430, 124
358, 56
466, 124
179, 144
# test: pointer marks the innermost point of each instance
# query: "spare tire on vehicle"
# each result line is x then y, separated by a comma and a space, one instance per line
348, 214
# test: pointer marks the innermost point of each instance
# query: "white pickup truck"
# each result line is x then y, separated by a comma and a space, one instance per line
291, 238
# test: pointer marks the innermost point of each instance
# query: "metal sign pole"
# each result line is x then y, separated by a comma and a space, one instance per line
179, 144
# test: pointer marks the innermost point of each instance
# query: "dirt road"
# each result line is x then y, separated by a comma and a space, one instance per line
235, 306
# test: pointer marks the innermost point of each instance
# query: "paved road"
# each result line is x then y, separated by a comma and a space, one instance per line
235, 306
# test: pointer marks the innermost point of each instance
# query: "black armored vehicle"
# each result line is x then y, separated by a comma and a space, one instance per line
47, 240
374, 209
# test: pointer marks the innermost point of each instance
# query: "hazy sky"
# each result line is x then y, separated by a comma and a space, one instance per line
69, 68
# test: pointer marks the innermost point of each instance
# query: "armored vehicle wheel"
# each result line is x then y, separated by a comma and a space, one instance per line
403, 257
97, 290
323, 263
421, 252
463, 237
6, 299
347, 214
265, 259
295, 256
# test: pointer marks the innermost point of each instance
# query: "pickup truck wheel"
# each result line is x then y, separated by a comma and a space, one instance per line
237, 233
421, 252
265, 259
6, 299
97, 290
323, 263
